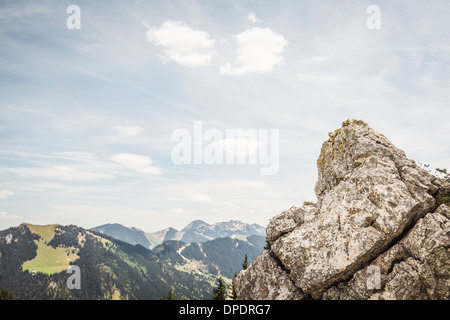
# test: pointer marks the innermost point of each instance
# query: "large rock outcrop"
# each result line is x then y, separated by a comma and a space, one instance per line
376, 212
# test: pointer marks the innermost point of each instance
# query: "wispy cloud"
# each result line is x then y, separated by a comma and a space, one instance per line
135, 162
186, 46
319, 78
127, 131
252, 18
55, 186
76, 156
259, 51
63, 155
5, 215
4, 194
59, 172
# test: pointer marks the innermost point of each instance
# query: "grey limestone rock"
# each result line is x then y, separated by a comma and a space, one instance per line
375, 206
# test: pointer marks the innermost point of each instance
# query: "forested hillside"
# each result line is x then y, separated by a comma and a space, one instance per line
110, 269
221, 256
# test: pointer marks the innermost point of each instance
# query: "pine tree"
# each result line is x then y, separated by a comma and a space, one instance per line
443, 197
233, 293
245, 264
220, 291
5, 294
170, 295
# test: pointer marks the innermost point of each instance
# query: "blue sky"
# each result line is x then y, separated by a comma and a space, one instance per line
86, 115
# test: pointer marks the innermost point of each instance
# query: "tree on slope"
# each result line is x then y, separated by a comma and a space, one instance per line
220, 290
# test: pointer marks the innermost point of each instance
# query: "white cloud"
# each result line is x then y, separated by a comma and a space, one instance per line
252, 18
5, 215
127, 131
188, 47
317, 59
259, 51
4, 194
135, 162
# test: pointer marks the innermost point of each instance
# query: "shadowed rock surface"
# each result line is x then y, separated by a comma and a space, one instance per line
376, 212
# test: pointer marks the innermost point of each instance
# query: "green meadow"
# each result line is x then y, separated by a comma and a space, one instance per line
48, 259
239, 237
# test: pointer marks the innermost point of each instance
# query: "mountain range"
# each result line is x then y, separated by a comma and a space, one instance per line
34, 260
196, 231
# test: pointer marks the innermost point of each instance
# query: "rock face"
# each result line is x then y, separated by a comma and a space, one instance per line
375, 232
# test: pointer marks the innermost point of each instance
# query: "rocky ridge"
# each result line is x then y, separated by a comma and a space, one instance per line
376, 231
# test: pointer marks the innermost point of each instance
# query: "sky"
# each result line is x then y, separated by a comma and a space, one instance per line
97, 100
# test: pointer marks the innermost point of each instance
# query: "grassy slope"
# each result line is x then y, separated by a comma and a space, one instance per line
239, 237
48, 259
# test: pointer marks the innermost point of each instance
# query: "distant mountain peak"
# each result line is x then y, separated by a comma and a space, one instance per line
121, 232
200, 231
195, 231
195, 224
